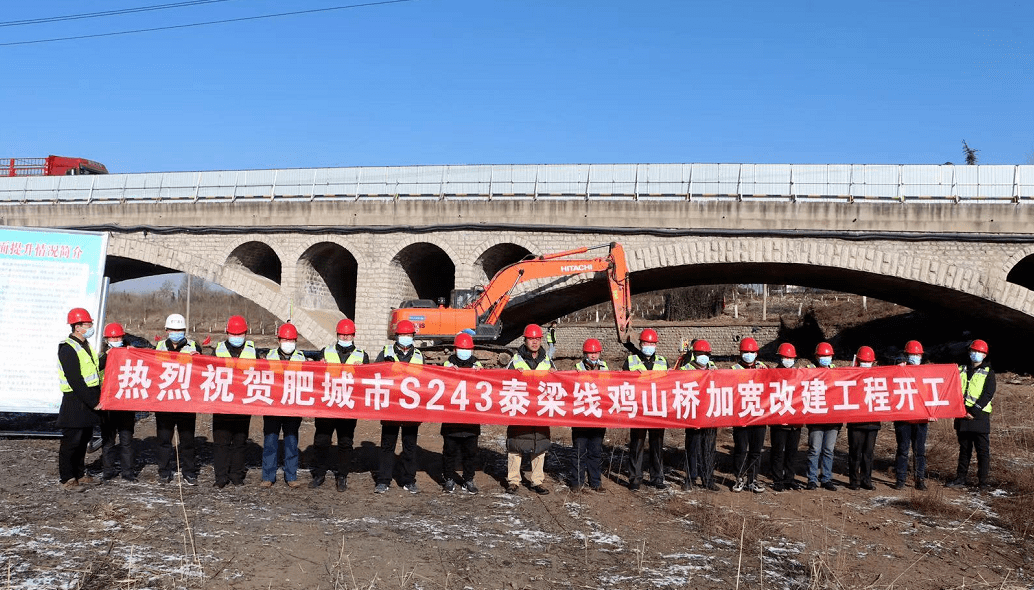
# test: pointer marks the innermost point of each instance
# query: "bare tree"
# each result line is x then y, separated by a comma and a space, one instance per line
970, 153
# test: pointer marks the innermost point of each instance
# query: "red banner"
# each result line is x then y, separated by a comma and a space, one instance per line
147, 380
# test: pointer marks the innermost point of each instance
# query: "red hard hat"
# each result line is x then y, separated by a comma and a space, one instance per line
346, 326
979, 346
913, 347
405, 327
701, 346
533, 331
748, 345
786, 350
464, 341
236, 325
648, 335
866, 355
114, 330
824, 349
78, 316
592, 345
287, 332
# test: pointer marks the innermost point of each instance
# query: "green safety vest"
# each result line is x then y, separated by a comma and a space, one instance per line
247, 353
972, 388
602, 366
331, 355
87, 366
477, 365
520, 364
636, 364
691, 367
191, 346
757, 365
274, 355
416, 359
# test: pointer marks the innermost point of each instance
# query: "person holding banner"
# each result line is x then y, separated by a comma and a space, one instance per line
460, 440
400, 351
861, 437
230, 431
345, 349
784, 438
701, 443
749, 440
166, 423
911, 433
535, 440
588, 441
80, 380
272, 426
116, 425
974, 429
822, 438
645, 358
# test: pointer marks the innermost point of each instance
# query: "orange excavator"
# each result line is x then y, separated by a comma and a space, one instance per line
477, 310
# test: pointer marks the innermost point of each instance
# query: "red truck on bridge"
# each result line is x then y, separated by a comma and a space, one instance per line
49, 166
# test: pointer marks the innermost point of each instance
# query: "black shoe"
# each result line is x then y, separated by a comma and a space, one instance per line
342, 483
190, 479
811, 486
512, 488
540, 490
868, 486
598, 489
237, 482
220, 484
956, 483
828, 485
109, 476
164, 479
449, 487
659, 484
793, 485
853, 486
899, 485
634, 486
778, 487
129, 478
921, 485
687, 486
317, 481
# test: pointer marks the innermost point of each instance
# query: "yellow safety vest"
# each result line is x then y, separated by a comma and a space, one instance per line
247, 353
477, 365
636, 364
757, 365
601, 366
416, 359
331, 355
972, 388
691, 367
87, 366
191, 346
274, 355
520, 364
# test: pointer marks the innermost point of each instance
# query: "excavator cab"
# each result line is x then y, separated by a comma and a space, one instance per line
465, 297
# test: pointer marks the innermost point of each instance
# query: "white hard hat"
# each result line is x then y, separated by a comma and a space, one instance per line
175, 322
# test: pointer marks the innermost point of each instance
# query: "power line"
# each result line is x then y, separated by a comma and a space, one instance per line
56, 19
201, 24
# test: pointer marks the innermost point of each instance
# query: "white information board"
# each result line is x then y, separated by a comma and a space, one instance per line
43, 274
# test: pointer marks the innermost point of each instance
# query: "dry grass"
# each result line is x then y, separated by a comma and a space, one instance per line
932, 503
717, 521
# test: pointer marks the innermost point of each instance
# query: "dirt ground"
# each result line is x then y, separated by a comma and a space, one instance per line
148, 535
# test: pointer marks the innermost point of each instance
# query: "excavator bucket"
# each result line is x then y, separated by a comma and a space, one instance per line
620, 291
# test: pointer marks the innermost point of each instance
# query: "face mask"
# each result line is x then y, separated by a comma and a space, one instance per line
287, 347
825, 361
344, 343
976, 357
405, 341
589, 361
915, 359
237, 341
89, 333
649, 349
114, 343
787, 363
702, 359
866, 365
177, 336
464, 354
749, 357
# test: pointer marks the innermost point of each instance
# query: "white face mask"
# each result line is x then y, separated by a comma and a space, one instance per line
749, 357
405, 341
976, 357
649, 349
702, 359
915, 359
864, 364
787, 363
287, 347
464, 354
114, 343
89, 333
344, 343
825, 361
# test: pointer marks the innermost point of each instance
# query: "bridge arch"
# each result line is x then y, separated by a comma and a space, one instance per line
422, 270
1020, 269
259, 258
495, 257
327, 278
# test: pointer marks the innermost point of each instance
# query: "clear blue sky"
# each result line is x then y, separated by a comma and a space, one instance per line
522, 81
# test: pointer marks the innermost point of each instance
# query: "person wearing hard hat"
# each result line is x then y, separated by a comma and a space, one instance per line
588, 440
460, 441
822, 438
230, 431
116, 425
343, 351
80, 380
532, 439
400, 351
861, 436
911, 433
974, 429
748, 441
167, 423
551, 340
701, 449
645, 358
272, 426
785, 439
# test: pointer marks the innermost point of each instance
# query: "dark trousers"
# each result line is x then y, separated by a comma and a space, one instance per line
71, 455
636, 444
325, 429
229, 437
459, 449
785, 442
914, 435
165, 424
967, 441
117, 425
389, 438
701, 454
861, 447
588, 451
746, 455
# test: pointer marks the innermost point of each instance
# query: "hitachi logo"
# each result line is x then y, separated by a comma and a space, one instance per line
575, 267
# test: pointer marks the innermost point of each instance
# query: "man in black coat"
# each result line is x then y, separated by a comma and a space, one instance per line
974, 430
80, 380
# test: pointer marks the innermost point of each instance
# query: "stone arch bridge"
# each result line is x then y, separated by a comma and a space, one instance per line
317, 245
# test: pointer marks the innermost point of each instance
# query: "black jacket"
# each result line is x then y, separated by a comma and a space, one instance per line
77, 406
981, 421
